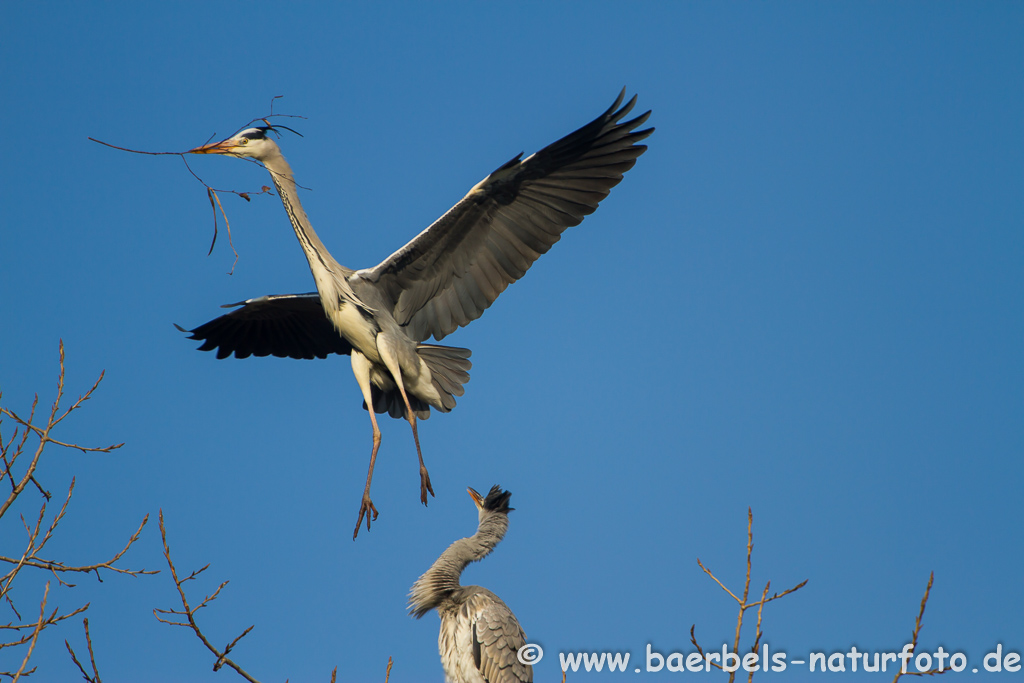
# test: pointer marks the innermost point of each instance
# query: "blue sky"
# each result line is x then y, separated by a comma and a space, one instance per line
806, 298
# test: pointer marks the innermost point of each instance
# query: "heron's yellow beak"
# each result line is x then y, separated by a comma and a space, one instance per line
477, 498
222, 147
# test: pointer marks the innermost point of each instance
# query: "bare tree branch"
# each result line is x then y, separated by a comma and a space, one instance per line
744, 603
20, 465
40, 625
917, 630
51, 620
57, 566
189, 612
95, 677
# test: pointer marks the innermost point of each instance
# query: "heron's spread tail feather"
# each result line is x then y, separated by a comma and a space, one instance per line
390, 401
449, 370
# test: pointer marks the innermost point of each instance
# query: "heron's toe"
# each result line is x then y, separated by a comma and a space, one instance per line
367, 510
425, 486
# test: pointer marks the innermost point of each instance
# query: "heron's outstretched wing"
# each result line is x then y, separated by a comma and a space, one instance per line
452, 271
284, 325
496, 639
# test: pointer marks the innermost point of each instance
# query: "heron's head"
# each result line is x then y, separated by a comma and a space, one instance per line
496, 501
250, 143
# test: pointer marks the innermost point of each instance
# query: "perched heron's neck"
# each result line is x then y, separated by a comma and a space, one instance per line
442, 579
320, 260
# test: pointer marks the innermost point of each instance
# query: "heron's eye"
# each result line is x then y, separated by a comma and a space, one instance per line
243, 141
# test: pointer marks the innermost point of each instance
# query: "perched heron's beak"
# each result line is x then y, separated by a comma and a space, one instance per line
477, 498
223, 147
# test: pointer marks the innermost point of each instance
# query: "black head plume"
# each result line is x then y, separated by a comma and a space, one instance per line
497, 500
257, 133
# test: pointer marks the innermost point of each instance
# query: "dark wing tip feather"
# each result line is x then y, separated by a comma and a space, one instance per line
606, 129
497, 500
618, 101
286, 326
451, 273
511, 162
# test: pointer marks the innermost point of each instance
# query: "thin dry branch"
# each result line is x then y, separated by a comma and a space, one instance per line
188, 612
722, 585
757, 629
20, 464
185, 616
43, 433
40, 625
211, 192
60, 567
213, 197
50, 621
917, 631
95, 677
30, 558
743, 602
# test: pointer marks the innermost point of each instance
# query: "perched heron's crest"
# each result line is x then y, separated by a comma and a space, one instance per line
497, 500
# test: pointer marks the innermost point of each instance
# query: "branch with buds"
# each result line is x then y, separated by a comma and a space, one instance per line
744, 602
19, 464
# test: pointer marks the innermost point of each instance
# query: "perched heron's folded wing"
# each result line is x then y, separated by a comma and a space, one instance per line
284, 325
452, 271
496, 639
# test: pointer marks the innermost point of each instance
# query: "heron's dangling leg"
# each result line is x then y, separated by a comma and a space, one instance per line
396, 373
361, 369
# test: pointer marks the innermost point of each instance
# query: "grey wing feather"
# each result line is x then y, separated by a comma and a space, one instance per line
451, 272
284, 325
497, 638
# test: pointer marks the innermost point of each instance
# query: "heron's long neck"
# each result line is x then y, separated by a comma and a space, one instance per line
442, 578
316, 253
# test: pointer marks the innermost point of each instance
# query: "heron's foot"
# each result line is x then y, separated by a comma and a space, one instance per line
425, 485
365, 510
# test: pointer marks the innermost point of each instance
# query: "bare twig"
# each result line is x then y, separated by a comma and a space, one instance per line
136, 151
40, 625
227, 225
56, 566
211, 191
20, 465
95, 677
693, 639
722, 585
744, 603
188, 613
917, 630
757, 629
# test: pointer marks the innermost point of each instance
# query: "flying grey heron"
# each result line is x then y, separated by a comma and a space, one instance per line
442, 280
480, 637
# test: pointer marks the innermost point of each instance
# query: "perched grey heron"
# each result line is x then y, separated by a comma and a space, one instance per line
442, 280
480, 637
